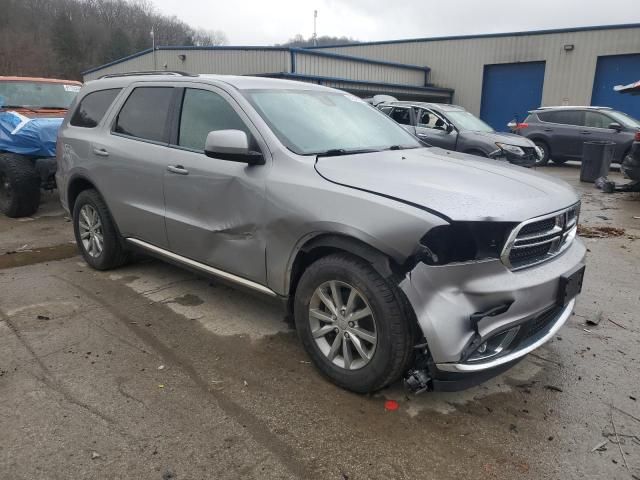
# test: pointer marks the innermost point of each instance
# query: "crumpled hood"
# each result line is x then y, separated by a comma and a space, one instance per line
455, 185
502, 137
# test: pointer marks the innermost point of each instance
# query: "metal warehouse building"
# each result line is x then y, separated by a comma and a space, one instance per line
361, 76
496, 76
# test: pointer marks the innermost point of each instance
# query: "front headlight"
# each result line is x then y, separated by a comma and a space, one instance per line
512, 149
463, 242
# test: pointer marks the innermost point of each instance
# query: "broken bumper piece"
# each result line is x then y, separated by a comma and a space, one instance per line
521, 313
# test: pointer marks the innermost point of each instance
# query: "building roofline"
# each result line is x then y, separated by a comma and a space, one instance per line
292, 50
487, 35
301, 76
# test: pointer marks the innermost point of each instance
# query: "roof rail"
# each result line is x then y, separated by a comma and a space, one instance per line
149, 72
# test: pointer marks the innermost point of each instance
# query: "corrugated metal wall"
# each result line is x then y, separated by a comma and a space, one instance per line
313, 64
459, 64
227, 61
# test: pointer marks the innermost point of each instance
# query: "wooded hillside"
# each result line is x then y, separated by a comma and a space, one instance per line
61, 38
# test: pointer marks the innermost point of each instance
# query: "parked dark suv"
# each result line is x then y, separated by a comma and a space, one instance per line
561, 131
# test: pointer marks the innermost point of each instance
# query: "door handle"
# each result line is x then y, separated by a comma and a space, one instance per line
584, 132
179, 169
101, 152
548, 129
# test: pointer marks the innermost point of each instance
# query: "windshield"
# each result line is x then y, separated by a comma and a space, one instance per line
37, 94
314, 122
624, 119
464, 120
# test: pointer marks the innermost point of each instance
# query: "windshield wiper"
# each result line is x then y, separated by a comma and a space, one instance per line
399, 147
23, 107
336, 152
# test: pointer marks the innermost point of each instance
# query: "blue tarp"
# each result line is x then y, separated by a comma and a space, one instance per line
28, 136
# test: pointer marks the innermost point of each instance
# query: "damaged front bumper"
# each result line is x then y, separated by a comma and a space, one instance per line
521, 314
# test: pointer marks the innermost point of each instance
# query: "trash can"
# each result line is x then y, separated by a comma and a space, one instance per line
596, 160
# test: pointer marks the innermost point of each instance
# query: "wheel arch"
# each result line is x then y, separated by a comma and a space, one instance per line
325, 244
78, 184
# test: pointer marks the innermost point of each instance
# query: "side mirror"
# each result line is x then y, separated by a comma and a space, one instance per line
615, 126
449, 128
232, 145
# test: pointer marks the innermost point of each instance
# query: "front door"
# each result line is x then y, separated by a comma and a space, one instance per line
432, 128
214, 208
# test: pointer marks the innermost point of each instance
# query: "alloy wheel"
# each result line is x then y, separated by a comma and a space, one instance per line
91, 234
343, 325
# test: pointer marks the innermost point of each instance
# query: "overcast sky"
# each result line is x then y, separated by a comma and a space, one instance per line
265, 22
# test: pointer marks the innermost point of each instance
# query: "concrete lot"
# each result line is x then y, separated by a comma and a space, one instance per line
149, 372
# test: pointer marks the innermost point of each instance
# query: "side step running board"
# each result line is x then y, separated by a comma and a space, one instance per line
202, 267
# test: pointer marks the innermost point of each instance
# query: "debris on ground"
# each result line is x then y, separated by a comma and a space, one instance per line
553, 388
595, 319
161, 367
94, 455
617, 324
601, 231
391, 405
42, 317
601, 447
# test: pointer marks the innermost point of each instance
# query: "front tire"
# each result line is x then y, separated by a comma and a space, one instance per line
546, 153
96, 233
353, 323
19, 186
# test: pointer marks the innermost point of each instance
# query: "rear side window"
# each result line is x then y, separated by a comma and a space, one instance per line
402, 116
202, 112
144, 114
565, 117
386, 110
93, 107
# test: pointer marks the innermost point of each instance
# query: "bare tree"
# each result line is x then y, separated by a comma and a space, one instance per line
64, 37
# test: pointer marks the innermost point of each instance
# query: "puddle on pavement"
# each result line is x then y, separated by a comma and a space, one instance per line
187, 300
220, 309
37, 255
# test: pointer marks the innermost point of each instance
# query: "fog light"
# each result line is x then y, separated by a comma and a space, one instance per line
495, 345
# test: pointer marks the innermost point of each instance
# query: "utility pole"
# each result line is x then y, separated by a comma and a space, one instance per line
153, 47
315, 34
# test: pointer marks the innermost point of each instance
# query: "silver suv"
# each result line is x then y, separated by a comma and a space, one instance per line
393, 259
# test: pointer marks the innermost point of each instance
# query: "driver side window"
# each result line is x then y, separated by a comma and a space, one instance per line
202, 112
428, 119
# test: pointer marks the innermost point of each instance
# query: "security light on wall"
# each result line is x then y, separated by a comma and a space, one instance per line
569, 47
182, 57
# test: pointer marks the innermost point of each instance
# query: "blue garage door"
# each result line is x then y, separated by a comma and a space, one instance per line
509, 91
616, 70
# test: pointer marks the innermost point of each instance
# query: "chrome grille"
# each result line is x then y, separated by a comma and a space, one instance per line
541, 238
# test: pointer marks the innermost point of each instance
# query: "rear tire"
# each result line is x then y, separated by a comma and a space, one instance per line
95, 231
19, 186
384, 359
